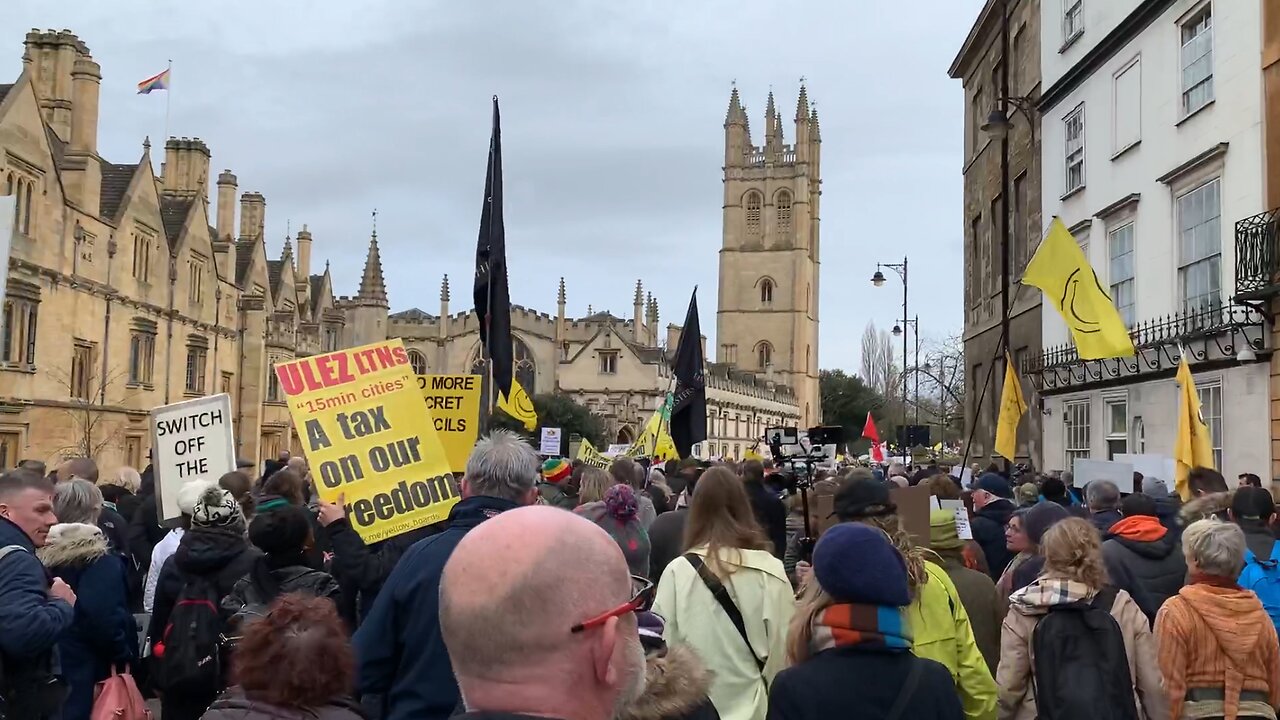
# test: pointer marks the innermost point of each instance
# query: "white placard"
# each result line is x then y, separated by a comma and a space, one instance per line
190, 440
965, 474
1156, 466
616, 449
1086, 471
550, 444
937, 503
962, 517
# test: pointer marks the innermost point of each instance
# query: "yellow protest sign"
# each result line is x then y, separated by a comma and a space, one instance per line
370, 438
454, 402
588, 454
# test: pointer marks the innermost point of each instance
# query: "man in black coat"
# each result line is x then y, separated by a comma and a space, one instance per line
1254, 510
1146, 549
993, 506
1103, 499
768, 508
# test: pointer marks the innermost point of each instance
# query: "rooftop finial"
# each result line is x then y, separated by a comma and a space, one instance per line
639, 293
375, 222
560, 297
444, 289
146, 143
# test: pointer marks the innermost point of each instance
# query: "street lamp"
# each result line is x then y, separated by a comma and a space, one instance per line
878, 280
914, 323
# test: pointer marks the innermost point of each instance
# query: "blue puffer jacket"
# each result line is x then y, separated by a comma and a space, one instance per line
399, 648
30, 621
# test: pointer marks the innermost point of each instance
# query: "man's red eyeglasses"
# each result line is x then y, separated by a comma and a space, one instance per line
642, 598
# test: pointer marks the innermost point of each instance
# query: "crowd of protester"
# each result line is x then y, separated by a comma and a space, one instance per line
681, 591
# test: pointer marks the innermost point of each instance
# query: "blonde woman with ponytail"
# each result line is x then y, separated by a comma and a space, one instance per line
936, 615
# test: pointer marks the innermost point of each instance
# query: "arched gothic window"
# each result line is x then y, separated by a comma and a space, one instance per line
523, 367
753, 204
782, 206
766, 291
418, 362
764, 355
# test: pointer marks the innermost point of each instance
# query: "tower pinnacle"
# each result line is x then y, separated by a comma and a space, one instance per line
444, 289
372, 286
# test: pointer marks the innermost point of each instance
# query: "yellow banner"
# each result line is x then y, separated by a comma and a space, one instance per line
370, 438
454, 402
588, 454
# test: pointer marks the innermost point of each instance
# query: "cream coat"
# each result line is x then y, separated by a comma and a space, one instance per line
760, 589
1017, 702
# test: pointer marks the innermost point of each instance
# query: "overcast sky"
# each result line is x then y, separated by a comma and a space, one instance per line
613, 135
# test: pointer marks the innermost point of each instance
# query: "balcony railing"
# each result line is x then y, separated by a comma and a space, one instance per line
1258, 257
1217, 332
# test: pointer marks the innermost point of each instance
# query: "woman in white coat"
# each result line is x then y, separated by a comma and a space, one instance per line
728, 597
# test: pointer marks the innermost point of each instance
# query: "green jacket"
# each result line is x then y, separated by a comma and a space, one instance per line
942, 633
555, 496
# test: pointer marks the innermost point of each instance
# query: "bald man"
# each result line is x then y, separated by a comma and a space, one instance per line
404, 671
568, 571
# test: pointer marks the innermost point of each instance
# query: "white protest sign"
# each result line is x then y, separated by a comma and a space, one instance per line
190, 441
550, 445
1086, 471
962, 517
964, 474
1156, 466
616, 449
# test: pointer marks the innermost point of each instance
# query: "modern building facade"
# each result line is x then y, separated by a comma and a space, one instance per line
1153, 149
128, 289
980, 66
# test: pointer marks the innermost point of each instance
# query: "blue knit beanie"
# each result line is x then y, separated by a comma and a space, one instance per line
855, 563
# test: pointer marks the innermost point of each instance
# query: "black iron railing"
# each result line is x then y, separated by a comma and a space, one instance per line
1258, 256
1226, 326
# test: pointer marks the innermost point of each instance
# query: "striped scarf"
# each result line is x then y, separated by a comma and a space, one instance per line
869, 626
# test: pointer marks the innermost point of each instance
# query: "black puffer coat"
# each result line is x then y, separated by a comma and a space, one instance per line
1150, 554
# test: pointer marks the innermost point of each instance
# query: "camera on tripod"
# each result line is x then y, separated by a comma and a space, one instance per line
795, 457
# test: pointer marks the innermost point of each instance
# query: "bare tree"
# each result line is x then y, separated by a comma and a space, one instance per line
93, 429
878, 370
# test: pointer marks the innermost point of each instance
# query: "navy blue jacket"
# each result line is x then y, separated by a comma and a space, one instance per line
104, 632
853, 682
30, 621
399, 648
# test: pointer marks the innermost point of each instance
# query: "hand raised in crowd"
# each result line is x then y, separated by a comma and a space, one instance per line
62, 591
804, 572
329, 513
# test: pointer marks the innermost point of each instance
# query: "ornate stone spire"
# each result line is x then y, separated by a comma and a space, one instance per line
802, 105
372, 286
735, 114
560, 296
813, 122
444, 289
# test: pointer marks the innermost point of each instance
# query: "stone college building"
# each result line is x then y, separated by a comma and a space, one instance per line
129, 289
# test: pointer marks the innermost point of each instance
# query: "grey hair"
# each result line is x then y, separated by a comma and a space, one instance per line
502, 465
1215, 547
77, 501
1102, 495
126, 477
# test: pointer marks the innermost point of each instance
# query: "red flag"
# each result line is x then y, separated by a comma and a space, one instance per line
869, 432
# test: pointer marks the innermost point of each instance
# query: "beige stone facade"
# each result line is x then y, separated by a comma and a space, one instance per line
978, 66
127, 290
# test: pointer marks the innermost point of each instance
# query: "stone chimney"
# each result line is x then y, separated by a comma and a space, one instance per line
51, 55
226, 213
86, 81
186, 168
304, 253
253, 215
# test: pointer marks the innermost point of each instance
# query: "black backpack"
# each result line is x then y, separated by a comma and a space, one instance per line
1081, 669
191, 661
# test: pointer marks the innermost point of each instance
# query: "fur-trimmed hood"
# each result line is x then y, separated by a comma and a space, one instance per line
1205, 506
677, 685
72, 544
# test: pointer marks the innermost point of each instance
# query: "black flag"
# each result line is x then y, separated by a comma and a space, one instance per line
493, 302
689, 409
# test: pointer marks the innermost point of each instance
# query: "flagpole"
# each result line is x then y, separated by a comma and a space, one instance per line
168, 98
1000, 350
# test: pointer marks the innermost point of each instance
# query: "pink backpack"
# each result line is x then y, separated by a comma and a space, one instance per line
117, 698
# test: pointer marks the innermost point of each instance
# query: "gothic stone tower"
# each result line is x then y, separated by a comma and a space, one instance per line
767, 320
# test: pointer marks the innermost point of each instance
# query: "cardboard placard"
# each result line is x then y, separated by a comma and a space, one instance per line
454, 402
190, 440
369, 437
549, 444
1086, 470
913, 512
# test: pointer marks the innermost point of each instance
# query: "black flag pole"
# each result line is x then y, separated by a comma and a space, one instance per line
491, 294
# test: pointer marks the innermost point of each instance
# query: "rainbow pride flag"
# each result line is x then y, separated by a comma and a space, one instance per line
159, 81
